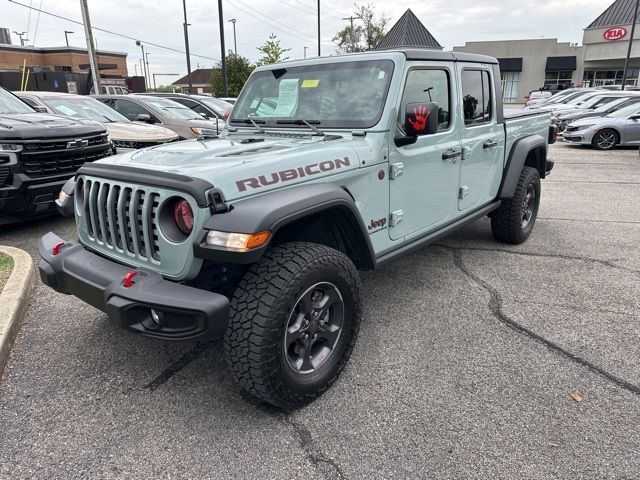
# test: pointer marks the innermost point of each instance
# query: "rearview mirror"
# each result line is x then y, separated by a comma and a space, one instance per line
421, 119
144, 117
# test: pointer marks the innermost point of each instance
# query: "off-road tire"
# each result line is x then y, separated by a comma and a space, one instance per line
260, 311
507, 222
598, 139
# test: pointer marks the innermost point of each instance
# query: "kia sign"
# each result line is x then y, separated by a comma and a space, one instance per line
615, 33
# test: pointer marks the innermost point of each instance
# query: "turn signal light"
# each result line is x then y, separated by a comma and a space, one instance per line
238, 242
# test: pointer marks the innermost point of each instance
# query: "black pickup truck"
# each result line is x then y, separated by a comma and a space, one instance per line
38, 154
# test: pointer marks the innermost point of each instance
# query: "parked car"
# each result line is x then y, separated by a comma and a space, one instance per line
207, 106
560, 97
610, 105
605, 133
258, 236
231, 100
537, 96
161, 111
124, 134
38, 154
110, 90
554, 97
571, 101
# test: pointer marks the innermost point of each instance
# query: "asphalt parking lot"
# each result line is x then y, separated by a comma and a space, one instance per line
467, 360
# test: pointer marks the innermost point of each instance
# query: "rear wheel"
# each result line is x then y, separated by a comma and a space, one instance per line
514, 220
294, 320
606, 139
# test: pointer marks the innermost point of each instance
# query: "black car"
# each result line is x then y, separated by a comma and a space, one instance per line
38, 154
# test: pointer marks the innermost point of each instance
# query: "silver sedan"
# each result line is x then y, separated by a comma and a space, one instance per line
619, 128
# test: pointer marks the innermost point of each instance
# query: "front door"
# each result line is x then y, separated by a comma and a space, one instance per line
424, 191
482, 137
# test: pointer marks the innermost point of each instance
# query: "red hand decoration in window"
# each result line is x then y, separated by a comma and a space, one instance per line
421, 115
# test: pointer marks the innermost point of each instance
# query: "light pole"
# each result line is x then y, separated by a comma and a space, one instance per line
148, 69
144, 69
319, 28
66, 37
186, 44
225, 87
22, 40
235, 44
633, 31
135, 66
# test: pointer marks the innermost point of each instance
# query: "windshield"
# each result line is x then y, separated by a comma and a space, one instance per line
338, 95
625, 111
171, 109
597, 100
218, 106
84, 108
579, 99
615, 106
9, 103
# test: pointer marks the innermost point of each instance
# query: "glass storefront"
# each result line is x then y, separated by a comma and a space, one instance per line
560, 79
510, 82
598, 78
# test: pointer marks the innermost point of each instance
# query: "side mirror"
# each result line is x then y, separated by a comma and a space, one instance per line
421, 119
145, 117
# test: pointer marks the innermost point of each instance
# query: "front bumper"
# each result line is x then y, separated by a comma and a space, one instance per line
182, 312
582, 137
27, 197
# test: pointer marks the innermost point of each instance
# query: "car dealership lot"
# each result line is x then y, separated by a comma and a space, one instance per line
467, 358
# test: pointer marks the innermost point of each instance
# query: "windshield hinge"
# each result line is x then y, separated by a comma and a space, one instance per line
358, 133
217, 201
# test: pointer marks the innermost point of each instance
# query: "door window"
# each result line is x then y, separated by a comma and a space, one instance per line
428, 86
476, 97
129, 109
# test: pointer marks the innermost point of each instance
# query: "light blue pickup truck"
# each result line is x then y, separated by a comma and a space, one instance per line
326, 167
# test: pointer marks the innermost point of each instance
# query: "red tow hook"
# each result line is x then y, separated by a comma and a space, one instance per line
56, 248
127, 280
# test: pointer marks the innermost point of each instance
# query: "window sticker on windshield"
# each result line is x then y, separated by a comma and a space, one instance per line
287, 97
65, 110
381, 75
310, 83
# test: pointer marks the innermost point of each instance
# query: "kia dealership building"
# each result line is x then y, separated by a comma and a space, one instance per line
532, 64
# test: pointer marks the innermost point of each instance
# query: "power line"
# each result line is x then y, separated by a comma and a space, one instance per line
111, 32
308, 10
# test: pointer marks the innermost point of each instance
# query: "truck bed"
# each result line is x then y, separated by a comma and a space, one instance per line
523, 123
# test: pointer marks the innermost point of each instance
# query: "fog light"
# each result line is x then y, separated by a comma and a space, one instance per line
155, 317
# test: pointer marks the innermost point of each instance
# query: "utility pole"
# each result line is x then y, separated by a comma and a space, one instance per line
235, 44
319, 54
633, 31
93, 62
148, 69
186, 44
305, 52
225, 87
66, 37
135, 65
144, 68
352, 32
21, 39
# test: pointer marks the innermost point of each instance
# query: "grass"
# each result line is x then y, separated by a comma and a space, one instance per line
6, 265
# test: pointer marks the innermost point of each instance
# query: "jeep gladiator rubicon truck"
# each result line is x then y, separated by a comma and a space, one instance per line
38, 154
326, 167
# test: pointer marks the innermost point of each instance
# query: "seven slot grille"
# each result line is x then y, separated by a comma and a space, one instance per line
123, 218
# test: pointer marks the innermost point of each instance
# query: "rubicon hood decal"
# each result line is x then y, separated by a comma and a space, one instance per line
292, 174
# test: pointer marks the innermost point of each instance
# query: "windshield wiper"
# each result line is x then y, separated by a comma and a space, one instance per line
252, 122
308, 123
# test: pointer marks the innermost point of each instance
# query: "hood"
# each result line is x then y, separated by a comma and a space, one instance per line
591, 121
246, 165
27, 126
139, 132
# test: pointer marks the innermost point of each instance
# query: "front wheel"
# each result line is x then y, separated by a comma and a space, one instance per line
294, 320
514, 220
606, 139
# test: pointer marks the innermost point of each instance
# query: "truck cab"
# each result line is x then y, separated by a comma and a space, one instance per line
326, 168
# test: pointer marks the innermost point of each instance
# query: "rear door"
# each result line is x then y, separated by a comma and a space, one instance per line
482, 137
423, 192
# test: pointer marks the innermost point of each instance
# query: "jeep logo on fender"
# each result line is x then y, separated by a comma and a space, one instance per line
615, 33
377, 223
292, 174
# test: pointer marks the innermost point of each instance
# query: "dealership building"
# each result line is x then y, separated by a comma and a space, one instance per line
533, 64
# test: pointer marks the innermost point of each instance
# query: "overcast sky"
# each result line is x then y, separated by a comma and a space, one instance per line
452, 22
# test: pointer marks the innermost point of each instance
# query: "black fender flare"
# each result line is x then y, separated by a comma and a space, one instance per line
65, 208
516, 160
275, 210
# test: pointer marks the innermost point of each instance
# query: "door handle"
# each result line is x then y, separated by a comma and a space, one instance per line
490, 144
449, 154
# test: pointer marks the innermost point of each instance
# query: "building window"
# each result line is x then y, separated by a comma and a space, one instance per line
62, 68
560, 79
510, 82
599, 78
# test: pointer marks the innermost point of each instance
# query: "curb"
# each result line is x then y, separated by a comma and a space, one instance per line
14, 298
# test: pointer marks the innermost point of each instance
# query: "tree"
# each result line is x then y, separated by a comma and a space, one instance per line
272, 52
238, 70
367, 31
